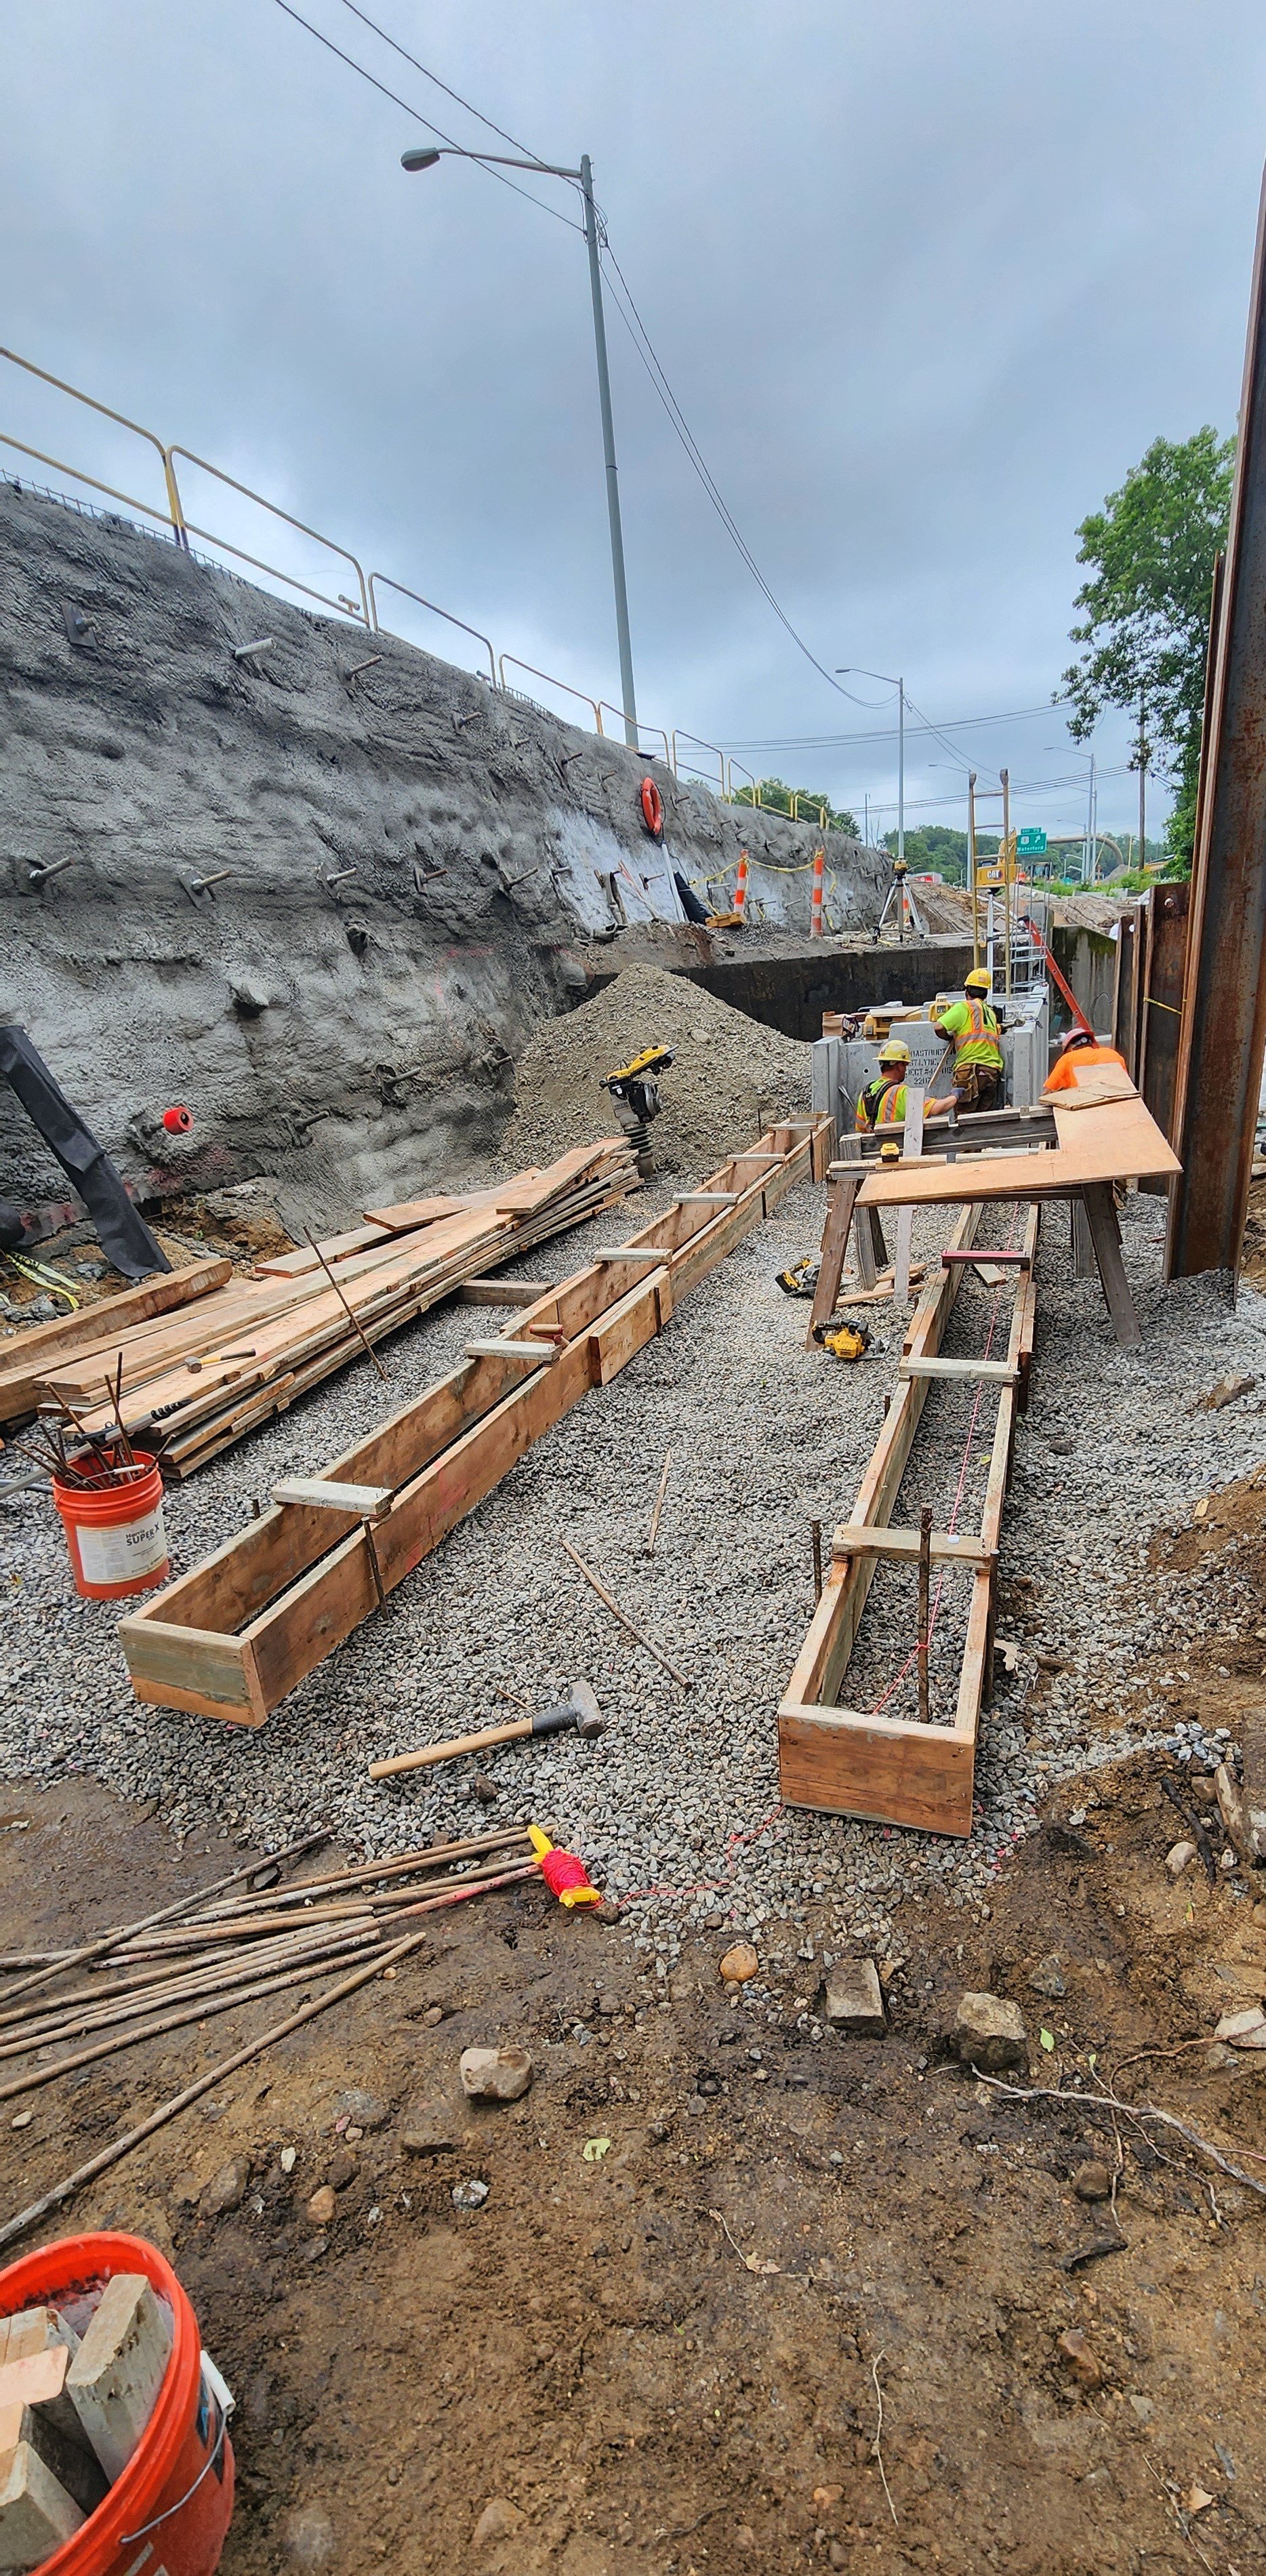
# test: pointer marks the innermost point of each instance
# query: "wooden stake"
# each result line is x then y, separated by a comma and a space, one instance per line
353, 1320
113, 2154
659, 1504
925, 1612
166, 1914
623, 1617
815, 1528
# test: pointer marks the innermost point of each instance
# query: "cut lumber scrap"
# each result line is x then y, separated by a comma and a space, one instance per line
855, 1538
893, 1769
411, 1212
990, 1372
368, 1502
980, 1257
503, 1292
234, 1636
36, 2515
119, 2368
336, 1247
26, 1363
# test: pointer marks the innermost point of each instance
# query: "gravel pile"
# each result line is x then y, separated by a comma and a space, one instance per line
679, 1799
727, 1070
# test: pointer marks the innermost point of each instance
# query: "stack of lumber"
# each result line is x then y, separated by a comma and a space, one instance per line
199, 1374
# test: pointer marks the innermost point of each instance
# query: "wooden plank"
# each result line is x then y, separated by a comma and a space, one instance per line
989, 1372
984, 1255
1118, 1141
855, 1538
36, 2515
410, 1213
536, 1354
911, 1149
839, 1217
1105, 1235
172, 1666
532, 1191
889, 1769
503, 1292
299, 1264
364, 1502
93, 1328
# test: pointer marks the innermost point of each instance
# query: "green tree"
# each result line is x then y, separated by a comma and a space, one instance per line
1151, 551
777, 796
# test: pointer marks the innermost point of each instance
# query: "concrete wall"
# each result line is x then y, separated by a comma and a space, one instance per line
354, 1041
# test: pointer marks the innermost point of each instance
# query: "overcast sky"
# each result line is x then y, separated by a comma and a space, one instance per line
925, 279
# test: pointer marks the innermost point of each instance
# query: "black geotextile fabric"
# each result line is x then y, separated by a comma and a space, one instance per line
123, 1236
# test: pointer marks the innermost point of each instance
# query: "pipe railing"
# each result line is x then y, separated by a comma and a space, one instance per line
364, 608
389, 584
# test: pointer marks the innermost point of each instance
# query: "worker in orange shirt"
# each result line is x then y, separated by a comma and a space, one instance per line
1081, 1048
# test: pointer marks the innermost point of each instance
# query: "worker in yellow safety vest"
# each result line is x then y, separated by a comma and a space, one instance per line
972, 1024
883, 1102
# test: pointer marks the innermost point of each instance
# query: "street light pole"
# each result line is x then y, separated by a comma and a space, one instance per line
425, 158
608, 450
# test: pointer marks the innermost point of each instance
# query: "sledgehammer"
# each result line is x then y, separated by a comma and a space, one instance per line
580, 1711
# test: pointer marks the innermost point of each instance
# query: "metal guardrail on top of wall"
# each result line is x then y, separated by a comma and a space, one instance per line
364, 607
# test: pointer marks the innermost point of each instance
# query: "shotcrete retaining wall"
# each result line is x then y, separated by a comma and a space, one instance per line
354, 1039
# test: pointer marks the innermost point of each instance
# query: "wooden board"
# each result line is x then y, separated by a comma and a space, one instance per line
1118, 1141
25, 1362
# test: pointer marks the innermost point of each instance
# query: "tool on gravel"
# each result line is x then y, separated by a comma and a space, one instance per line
844, 1341
564, 1875
635, 1096
581, 1711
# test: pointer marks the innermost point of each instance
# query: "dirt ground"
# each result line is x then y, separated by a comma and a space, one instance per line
710, 2244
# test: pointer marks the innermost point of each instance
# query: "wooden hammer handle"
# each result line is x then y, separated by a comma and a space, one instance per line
449, 1752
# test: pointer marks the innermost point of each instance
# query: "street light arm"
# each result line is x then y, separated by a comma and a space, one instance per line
424, 157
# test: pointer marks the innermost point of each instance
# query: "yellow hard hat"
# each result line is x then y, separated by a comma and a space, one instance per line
979, 981
893, 1052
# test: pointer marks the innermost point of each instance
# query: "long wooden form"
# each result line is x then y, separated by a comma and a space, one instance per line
892, 1769
235, 1635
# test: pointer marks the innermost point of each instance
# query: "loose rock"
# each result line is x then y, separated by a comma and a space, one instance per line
854, 1998
739, 1964
495, 2074
1092, 2181
1179, 1857
308, 2536
321, 2206
1046, 1978
227, 2189
432, 2132
498, 2521
989, 2033
1246, 2029
342, 2169
1080, 2357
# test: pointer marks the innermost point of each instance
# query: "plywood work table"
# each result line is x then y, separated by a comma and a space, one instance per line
1098, 1140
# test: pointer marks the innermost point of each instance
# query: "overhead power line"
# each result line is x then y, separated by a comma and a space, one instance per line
887, 733
416, 112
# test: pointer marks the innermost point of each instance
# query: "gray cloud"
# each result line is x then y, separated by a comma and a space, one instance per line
926, 281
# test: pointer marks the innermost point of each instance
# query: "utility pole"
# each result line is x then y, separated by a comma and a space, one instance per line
623, 636
1005, 776
971, 867
1142, 780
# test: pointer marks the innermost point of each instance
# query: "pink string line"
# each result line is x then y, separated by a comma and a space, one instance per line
708, 1886
913, 1656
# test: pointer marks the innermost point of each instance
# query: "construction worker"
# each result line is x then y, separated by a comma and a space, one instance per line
978, 1065
883, 1102
1081, 1049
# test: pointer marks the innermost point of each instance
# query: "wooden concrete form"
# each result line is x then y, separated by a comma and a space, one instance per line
233, 1637
891, 1769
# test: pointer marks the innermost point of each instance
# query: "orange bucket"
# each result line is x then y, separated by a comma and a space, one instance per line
114, 1532
176, 2491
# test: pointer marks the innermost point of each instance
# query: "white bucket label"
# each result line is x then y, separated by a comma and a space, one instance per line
131, 1548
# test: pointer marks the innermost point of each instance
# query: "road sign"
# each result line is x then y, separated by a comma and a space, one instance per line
1031, 845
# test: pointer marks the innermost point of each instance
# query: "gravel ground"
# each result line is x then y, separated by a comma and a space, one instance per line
679, 1799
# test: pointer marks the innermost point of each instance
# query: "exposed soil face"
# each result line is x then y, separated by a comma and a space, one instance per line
663, 2353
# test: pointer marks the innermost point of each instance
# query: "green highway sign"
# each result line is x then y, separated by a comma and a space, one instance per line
1031, 845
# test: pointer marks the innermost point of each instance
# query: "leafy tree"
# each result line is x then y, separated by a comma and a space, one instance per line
1151, 551
776, 795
